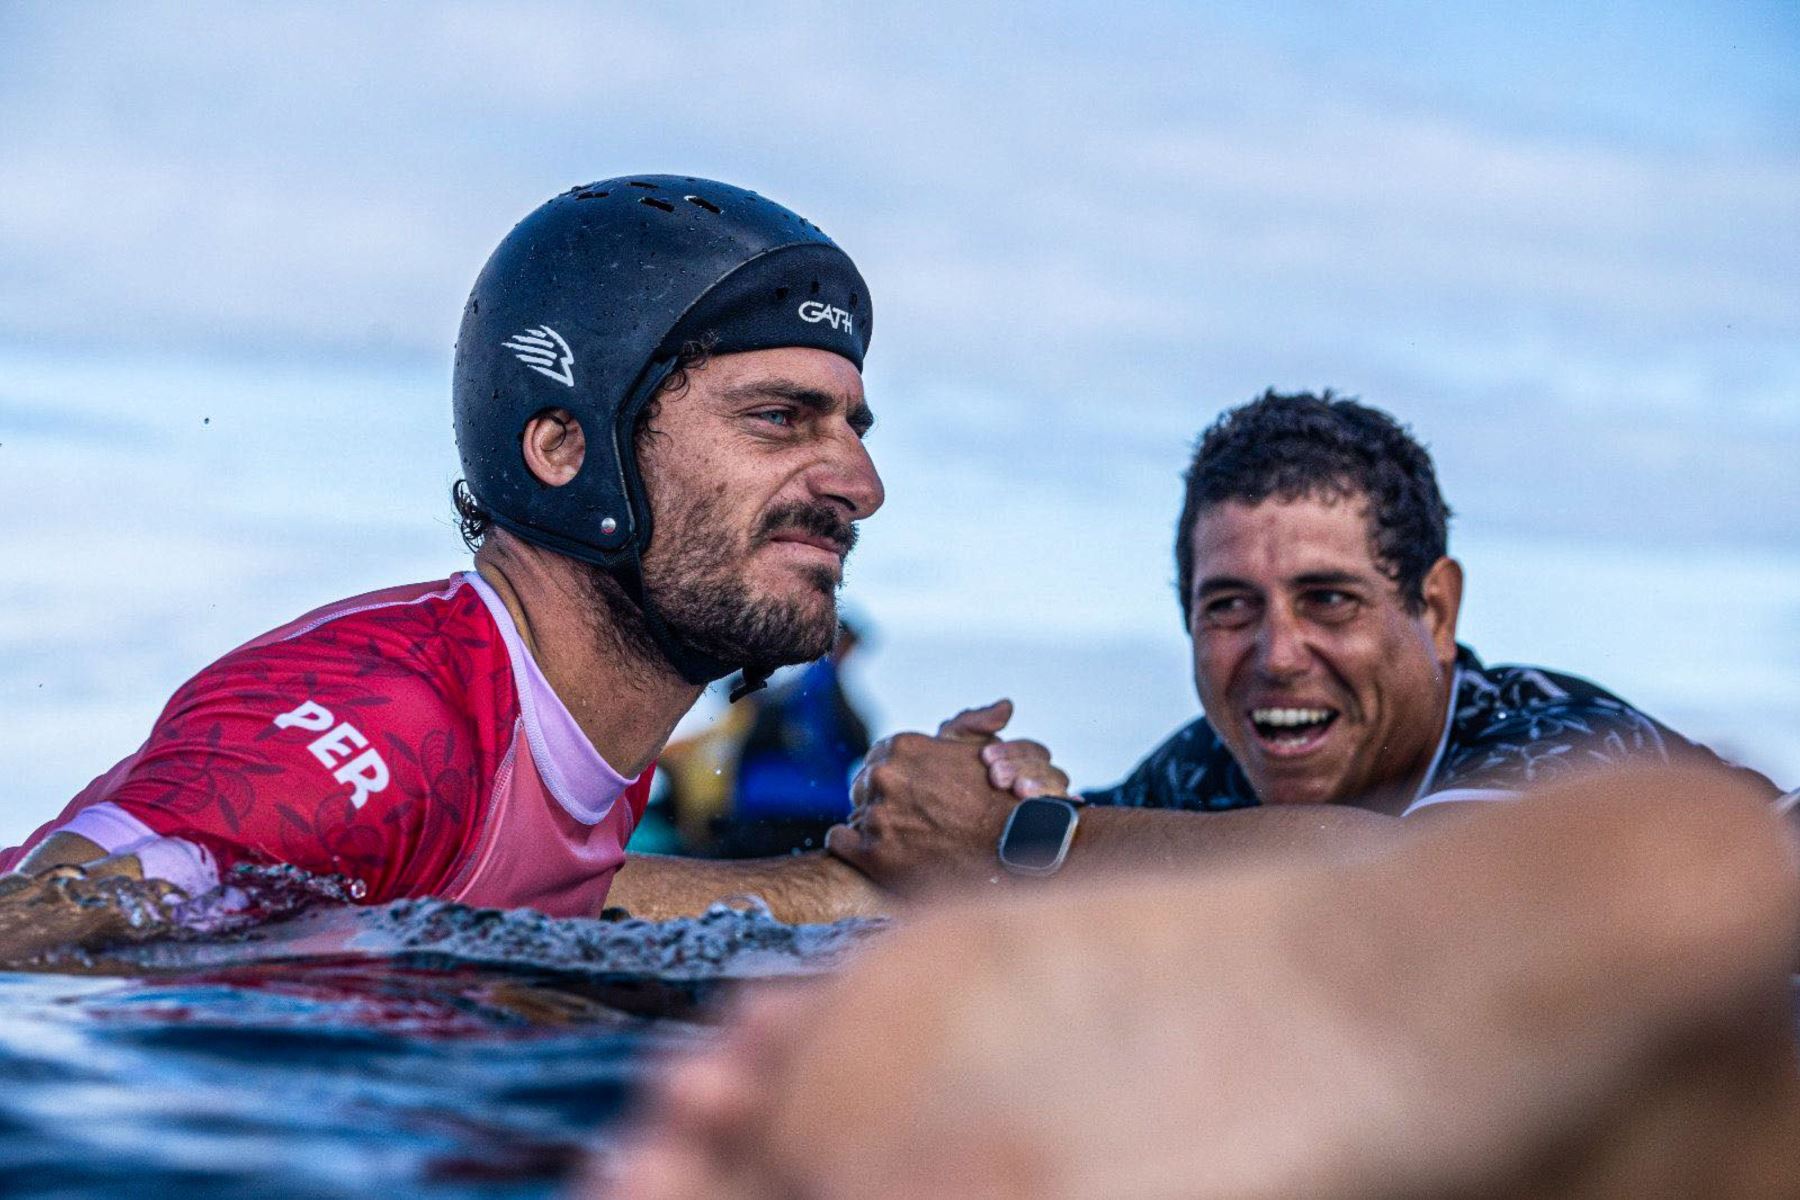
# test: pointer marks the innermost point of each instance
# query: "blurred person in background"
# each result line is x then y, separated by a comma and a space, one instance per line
795, 765
771, 774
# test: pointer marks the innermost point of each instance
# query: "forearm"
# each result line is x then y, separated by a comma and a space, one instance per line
57, 850
800, 889
1111, 839
38, 905
39, 915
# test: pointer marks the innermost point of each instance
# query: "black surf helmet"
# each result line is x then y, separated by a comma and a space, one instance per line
586, 306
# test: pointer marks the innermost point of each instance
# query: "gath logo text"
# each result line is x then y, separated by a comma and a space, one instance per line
816, 311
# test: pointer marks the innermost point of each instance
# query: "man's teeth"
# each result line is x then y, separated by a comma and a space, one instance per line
1288, 717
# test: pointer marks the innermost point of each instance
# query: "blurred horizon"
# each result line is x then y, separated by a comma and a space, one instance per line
1561, 246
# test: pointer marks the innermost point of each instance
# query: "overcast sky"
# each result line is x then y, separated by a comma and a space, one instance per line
235, 241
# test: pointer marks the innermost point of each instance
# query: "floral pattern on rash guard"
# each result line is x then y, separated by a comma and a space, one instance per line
424, 683
405, 739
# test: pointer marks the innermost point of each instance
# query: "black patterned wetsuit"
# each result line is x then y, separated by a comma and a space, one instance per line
1509, 728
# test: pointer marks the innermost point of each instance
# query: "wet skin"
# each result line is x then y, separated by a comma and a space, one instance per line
1293, 619
748, 437
756, 471
1584, 995
757, 435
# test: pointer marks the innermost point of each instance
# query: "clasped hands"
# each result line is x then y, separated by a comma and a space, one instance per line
929, 810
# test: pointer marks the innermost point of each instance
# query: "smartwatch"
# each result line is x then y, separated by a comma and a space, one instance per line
1037, 835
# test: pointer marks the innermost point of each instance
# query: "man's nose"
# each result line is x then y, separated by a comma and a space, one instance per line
1281, 647
847, 475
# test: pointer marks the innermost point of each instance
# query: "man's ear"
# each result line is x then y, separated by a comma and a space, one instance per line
1442, 589
554, 446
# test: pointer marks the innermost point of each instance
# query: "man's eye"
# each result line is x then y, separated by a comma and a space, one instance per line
774, 416
1228, 610
1330, 602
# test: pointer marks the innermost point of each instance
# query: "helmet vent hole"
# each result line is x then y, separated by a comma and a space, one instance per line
780, 294
653, 202
642, 184
815, 287
592, 195
853, 298
703, 202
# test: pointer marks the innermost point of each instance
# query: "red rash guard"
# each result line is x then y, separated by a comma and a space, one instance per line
404, 738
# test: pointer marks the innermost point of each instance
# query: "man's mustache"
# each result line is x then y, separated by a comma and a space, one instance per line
820, 520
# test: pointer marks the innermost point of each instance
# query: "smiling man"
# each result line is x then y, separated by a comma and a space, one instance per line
660, 413
1315, 582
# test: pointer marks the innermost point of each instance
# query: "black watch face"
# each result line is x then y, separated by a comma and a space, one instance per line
1037, 834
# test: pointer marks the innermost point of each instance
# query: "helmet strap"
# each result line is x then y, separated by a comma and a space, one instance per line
748, 683
692, 665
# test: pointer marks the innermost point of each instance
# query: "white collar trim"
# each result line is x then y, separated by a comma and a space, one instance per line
583, 782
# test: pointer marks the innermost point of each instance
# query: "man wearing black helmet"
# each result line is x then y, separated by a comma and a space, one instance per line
659, 410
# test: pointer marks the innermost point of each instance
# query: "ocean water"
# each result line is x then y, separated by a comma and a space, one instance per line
413, 1049
417, 1049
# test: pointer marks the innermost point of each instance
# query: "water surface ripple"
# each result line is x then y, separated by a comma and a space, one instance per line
412, 1049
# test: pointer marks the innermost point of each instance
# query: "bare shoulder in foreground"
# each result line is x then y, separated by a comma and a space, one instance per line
1584, 995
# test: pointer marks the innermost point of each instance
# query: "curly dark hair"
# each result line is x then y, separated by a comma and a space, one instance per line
475, 522
1301, 444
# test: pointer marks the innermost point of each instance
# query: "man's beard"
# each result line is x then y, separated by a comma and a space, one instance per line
695, 583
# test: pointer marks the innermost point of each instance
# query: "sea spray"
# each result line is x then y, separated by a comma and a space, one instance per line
264, 913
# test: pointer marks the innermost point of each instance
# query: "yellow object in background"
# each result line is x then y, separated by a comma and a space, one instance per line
702, 775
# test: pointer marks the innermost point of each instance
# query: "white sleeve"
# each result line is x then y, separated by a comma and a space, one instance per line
173, 860
1458, 796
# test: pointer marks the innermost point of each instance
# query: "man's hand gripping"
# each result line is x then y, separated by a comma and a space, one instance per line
929, 810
